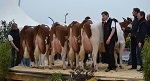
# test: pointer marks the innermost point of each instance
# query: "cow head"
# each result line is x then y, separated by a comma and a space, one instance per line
126, 24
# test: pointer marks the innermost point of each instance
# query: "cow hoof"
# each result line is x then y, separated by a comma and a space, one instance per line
35, 67
95, 70
32, 66
50, 68
43, 68
73, 68
68, 64
39, 67
52, 63
64, 69
121, 67
92, 65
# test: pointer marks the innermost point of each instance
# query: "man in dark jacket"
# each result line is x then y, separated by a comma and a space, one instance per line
110, 37
148, 21
133, 37
14, 40
141, 34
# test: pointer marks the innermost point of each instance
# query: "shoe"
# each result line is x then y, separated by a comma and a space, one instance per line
131, 68
141, 69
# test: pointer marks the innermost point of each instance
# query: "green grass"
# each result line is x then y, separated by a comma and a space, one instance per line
146, 60
5, 58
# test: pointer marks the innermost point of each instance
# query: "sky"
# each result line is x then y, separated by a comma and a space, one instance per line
40, 10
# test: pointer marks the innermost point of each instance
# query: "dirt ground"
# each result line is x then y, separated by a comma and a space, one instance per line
121, 73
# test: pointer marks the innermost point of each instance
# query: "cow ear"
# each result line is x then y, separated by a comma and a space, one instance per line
123, 18
129, 19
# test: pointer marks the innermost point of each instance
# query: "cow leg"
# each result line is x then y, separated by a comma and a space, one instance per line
40, 62
32, 64
47, 56
82, 55
77, 60
43, 56
94, 54
71, 57
36, 55
42, 59
68, 61
122, 46
63, 53
94, 59
51, 58
116, 57
50, 61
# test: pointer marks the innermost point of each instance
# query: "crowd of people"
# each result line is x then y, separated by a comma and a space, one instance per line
139, 31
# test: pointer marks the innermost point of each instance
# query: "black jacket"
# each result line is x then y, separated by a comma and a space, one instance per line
148, 29
142, 30
16, 37
107, 31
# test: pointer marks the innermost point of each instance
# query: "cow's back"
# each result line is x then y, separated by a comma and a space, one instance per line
61, 34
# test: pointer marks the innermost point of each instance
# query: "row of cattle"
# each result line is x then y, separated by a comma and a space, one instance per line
72, 41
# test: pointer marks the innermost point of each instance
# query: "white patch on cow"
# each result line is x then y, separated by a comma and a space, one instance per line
51, 57
45, 58
120, 33
41, 59
81, 55
32, 27
46, 40
130, 25
96, 39
26, 53
63, 53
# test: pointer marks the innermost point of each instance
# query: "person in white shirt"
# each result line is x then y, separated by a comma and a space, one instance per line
110, 37
14, 40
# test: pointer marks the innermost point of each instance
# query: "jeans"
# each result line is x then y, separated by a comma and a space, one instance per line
26, 62
139, 55
15, 58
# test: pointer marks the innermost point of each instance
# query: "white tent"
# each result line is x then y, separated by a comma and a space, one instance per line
10, 10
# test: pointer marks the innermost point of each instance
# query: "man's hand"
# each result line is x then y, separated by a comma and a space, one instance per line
139, 44
13, 45
108, 41
17, 50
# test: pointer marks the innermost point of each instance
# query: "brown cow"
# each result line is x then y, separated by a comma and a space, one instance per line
58, 42
26, 43
91, 39
41, 37
74, 42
